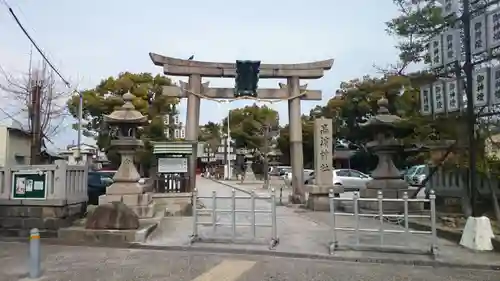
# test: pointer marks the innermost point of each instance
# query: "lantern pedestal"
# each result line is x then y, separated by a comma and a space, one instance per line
126, 187
125, 201
386, 177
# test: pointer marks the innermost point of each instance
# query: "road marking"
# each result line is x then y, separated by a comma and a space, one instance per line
228, 270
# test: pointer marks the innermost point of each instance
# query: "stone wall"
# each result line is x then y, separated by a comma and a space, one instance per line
17, 220
61, 201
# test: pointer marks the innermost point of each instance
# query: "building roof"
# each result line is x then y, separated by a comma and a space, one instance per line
19, 131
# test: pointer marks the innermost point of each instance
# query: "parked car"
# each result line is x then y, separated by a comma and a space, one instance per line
349, 178
307, 175
109, 174
96, 186
416, 175
280, 170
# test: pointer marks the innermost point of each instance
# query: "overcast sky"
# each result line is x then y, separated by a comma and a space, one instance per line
93, 39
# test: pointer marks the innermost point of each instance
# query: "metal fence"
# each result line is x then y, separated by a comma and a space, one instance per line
172, 183
215, 223
381, 227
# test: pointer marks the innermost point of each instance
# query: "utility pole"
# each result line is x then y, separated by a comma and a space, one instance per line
266, 127
80, 127
35, 117
227, 148
471, 116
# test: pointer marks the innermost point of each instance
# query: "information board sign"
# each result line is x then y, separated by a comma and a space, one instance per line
172, 165
29, 185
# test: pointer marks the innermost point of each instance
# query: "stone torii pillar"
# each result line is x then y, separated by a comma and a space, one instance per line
292, 92
192, 124
295, 122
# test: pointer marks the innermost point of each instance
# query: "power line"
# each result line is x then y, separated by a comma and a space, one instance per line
35, 44
9, 116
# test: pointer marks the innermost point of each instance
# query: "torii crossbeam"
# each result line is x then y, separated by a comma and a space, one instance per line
292, 92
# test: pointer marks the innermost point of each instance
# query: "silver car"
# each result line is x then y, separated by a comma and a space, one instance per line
349, 178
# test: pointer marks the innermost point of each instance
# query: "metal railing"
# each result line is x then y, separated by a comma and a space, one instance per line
172, 183
383, 226
233, 211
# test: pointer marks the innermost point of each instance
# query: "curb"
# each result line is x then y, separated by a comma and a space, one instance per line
325, 257
231, 186
267, 253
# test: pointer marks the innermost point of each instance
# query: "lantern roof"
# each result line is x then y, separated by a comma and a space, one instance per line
126, 113
383, 116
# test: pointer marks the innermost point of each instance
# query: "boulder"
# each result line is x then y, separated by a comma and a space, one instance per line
115, 215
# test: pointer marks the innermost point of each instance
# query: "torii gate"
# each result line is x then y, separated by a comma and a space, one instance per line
292, 91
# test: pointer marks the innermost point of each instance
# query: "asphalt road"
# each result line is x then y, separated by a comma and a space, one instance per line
73, 263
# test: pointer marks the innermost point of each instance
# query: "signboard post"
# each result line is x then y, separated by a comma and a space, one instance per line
29, 185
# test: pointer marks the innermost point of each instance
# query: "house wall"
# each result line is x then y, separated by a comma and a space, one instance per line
15, 147
18, 148
4, 134
71, 160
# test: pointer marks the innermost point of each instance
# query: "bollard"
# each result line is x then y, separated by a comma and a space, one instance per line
356, 216
195, 214
34, 263
281, 195
380, 199
405, 217
334, 243
214, 211
233, 214
432, 198
274, 221
252, 210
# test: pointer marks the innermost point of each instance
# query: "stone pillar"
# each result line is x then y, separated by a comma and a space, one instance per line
296, 152
192, 124
318, 192
127, 172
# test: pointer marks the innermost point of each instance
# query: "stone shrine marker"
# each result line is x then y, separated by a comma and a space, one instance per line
318, 192
323, 144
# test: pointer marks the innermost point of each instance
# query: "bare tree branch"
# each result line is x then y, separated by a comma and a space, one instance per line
17, 90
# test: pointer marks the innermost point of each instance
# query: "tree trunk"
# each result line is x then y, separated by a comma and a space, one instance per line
466, 204
494, 198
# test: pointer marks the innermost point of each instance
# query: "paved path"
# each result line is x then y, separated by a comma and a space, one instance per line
65, 263
294, 231
301, 232
317, 232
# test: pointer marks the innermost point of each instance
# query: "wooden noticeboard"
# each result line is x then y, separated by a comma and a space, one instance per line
29, 185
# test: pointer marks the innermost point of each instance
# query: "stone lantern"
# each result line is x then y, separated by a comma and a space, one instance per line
384, 127
126, 191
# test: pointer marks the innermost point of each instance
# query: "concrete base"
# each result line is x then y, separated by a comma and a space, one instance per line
317, 198
141, 204
144, 212
173, 204
120, 188
296, 199
318, 203
108, 236
477, 234
18, 220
